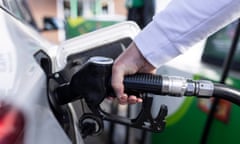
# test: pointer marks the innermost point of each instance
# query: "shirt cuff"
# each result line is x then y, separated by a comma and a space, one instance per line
155, 46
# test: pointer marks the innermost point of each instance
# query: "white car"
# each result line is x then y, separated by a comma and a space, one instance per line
27, 114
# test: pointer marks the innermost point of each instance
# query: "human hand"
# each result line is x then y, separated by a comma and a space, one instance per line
129, 62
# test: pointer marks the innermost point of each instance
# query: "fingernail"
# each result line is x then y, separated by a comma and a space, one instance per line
123, 97
139, 100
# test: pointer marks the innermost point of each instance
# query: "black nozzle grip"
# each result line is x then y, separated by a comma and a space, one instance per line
143, 83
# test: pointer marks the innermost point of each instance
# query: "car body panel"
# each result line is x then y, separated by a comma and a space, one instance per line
23, 82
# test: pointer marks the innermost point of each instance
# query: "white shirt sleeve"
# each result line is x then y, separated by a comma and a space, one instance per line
182, 24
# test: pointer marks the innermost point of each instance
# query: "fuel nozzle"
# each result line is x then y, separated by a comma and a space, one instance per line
93, 83
167, 85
